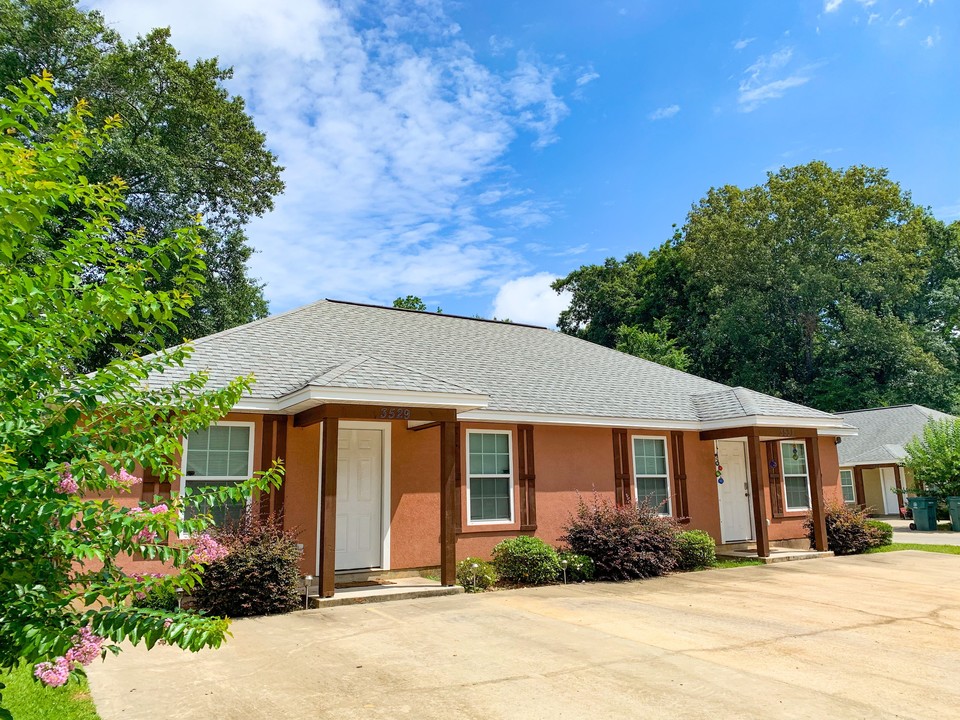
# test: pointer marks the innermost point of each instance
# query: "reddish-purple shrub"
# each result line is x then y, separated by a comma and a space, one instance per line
624, 542
259, 575
847, 530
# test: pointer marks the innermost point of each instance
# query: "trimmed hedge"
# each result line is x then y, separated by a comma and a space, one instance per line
880, 533
259, 576
695, 550
579, 568
475, 575
625, 542
526, 560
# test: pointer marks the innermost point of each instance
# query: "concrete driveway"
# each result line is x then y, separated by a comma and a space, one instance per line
903, 534
873, 636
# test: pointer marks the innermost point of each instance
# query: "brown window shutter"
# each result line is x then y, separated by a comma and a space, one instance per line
528, 478
776, 483
458, 480
680, 505
152, 487
621, 467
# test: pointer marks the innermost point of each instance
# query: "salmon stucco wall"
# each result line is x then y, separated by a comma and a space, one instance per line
301, 490
415, 497
702, 496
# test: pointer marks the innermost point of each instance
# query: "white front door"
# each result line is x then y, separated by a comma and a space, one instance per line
736, 516
359, 494
891, 504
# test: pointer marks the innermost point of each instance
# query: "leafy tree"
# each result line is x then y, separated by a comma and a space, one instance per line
934, 458
412, 302
827, 287
185, 146
67, 438
654, 346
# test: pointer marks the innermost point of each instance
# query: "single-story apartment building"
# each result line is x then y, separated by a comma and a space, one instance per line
413, 439
871, 463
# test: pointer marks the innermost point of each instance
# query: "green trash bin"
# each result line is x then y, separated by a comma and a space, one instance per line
954, 504
924, 512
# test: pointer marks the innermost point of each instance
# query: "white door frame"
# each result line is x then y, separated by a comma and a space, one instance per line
889, 498
385, 432
749, 496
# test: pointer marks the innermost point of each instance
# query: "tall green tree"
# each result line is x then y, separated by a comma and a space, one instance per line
827, 287
186, 146
656, 346
71, 441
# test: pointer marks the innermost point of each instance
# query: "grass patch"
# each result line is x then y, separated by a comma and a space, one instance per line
29, 700
737, 562
947, 549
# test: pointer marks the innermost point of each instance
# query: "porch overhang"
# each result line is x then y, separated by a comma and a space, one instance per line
315, 396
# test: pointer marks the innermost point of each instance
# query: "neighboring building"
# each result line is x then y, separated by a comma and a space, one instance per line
871, 471
413, 439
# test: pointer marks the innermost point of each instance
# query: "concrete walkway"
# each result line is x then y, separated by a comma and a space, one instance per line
874, 636
903, 534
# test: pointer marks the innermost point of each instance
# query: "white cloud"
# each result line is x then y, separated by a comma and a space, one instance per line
742, 43
393, 149
832, 5
933, 39
530, 299
587, 77
763, 81
663, 113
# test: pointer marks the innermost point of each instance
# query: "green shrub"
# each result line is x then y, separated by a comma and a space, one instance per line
847, 531
695, 550
526, 560
579, 568
624, 542
934, 458
161, 597
259, 576
475, 575
880, 533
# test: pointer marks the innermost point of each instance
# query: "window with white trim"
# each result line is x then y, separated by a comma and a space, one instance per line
846, 487
489, 476
218, 456
650, 473
796, 478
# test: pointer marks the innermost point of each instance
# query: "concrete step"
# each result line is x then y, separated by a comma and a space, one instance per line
777, 555
402, 589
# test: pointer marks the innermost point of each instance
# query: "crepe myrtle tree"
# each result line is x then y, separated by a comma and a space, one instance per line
68, 440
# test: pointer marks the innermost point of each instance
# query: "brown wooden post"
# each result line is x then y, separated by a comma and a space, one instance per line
448, 487
328, 506
896, 477
816, 494
621, 467
858, 487
759, 501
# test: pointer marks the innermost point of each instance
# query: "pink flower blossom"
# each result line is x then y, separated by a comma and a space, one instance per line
147, 535
157, 509
67, 486
126, 479
208, 550
53, 674
86, 647
166, 626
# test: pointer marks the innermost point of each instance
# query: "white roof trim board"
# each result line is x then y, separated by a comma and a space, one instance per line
333, 351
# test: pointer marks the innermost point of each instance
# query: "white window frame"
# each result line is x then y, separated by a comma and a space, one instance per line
783, 476
470, 476
853, 486
668, 512
217, 478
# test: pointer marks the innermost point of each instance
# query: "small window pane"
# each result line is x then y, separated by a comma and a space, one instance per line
239, 439
489, 442
219, 438
198, 440
798, 498
238, 464
476, 462
503, 443
196, 462
476, 443
794, 465
846, 486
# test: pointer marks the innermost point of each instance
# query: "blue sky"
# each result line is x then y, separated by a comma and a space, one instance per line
471, 152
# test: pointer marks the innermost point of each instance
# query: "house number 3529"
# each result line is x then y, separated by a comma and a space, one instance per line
394, 413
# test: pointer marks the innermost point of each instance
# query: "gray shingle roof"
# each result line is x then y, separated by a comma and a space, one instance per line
518, 367
883, 433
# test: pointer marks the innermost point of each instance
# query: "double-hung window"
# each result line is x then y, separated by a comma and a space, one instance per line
650, 473
218, 456
490, 477
796, 478
846, 487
